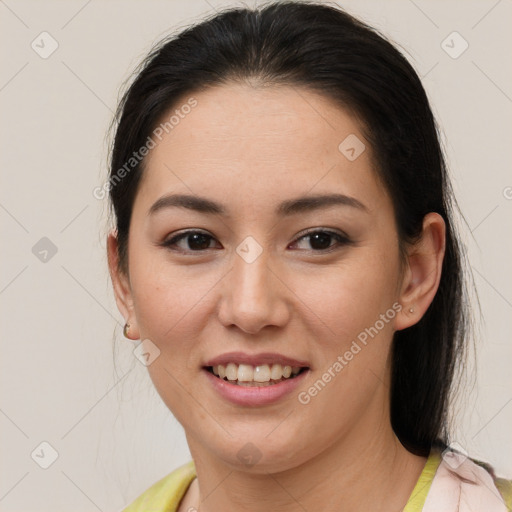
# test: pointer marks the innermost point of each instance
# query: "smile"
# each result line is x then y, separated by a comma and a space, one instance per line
255, 375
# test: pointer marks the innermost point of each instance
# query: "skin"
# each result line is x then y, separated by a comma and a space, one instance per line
338, 452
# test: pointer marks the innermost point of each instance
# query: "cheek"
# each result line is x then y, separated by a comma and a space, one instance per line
351, 296
169, 300
355, 304
170, 310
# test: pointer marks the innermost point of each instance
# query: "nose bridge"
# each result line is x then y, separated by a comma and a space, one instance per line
251, 280
251, 300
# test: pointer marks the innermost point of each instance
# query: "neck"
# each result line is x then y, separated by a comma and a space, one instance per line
364, 471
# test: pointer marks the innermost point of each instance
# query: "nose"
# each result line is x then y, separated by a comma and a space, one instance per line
253, 297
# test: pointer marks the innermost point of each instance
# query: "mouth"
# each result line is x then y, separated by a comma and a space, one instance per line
254, 380
261, 375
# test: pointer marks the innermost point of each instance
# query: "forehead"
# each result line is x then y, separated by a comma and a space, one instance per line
270, 141
266, 121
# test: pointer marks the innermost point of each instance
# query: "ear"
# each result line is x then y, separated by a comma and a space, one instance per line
423, 271
122, 287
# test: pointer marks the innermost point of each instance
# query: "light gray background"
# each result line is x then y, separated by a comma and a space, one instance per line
59, 384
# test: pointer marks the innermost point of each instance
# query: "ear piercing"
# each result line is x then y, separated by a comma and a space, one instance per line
411, 310
126, 329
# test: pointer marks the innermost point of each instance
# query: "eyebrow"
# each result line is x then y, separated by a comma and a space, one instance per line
286, 208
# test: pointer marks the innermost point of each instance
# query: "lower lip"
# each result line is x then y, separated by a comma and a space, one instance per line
255, 395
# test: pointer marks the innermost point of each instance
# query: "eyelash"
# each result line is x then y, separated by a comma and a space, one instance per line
341, 238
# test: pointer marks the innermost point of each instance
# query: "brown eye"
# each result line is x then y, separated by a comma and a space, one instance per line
193, 241
322, 240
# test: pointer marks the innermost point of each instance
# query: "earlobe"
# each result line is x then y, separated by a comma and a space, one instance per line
121, 285
423, 274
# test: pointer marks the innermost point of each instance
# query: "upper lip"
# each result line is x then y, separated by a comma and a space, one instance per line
255, 359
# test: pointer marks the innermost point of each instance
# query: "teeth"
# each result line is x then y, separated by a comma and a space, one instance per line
231, 371
276, 372
246, 374
262, 373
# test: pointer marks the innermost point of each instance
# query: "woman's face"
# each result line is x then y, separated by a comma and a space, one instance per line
254, 287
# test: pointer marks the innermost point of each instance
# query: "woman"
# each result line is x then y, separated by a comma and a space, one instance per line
284, 247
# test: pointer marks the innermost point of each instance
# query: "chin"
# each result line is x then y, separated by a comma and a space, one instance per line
256, 452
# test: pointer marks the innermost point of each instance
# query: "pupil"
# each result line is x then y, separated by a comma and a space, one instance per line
198, 241
320, 240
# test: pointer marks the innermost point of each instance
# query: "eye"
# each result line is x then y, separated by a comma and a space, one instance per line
318, 240
321, 240
195, 241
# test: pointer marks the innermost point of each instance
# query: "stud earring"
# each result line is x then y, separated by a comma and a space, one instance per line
126, 329
411, 310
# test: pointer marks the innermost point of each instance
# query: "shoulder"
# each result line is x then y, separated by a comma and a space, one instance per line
503, 485
485, 477
165, 495
505, 489
442, 476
